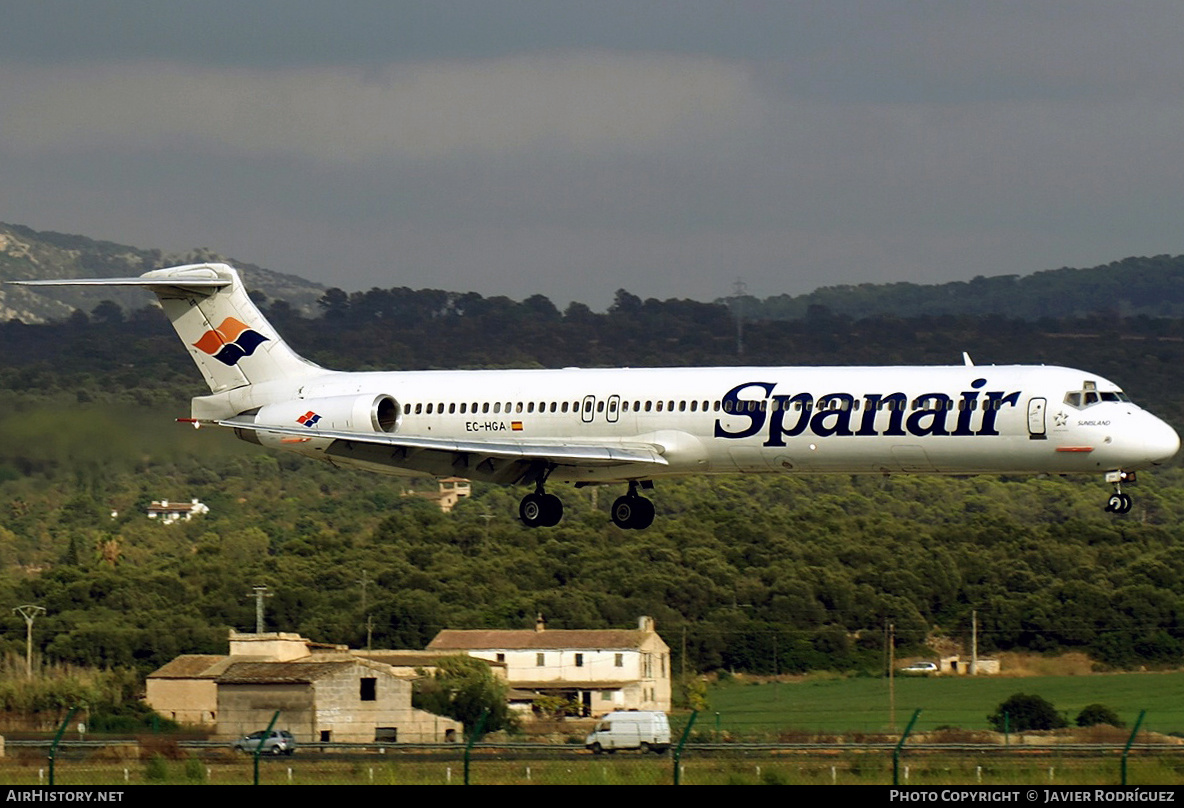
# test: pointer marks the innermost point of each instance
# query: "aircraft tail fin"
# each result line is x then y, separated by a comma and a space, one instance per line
229, 339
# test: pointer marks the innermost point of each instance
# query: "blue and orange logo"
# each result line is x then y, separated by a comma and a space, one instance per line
309, 419
230, 341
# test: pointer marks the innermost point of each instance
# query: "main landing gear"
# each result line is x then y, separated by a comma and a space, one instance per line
630, 512
540, 509
1119, 502
633, 512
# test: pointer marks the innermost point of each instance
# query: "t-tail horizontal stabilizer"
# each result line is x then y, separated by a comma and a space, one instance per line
229, 339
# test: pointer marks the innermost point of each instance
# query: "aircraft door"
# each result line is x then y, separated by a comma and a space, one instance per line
588, 410
614, 409
1036, 410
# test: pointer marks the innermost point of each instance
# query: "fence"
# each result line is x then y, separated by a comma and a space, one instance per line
176, 762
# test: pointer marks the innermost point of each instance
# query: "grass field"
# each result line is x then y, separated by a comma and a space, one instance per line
846, 705
996, 767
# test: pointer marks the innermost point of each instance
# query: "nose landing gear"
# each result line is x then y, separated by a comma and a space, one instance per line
1119, 502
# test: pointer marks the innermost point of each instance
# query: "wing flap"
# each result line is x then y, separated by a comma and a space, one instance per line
462, 457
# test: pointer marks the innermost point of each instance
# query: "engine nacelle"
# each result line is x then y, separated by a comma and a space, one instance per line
372, 412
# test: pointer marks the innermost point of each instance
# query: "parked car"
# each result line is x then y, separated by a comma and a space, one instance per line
279, 742
644, 730
920, 667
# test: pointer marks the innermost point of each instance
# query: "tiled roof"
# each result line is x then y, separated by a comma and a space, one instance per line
405, 659
549, 640
574, 682
282, 672
189, 666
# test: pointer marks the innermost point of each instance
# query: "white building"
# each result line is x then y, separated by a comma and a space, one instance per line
600, 669
169, 512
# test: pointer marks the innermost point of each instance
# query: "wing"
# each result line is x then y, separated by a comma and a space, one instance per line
496, 461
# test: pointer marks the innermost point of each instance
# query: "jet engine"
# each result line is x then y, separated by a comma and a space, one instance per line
357, 413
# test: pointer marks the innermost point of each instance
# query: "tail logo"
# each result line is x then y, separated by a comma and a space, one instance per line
230, 341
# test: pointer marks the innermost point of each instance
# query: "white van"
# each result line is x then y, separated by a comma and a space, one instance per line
645, 730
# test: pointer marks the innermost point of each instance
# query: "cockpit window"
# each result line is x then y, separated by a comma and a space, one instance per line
1090, 395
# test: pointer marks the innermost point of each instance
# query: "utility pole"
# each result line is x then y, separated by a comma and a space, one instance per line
29, 612
739, 290
891, 677
259, 593
365, 581
974, 642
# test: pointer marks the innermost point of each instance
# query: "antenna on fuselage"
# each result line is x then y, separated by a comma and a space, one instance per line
966, 360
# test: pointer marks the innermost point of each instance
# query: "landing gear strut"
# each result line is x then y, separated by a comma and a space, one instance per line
1119, 502
633, 512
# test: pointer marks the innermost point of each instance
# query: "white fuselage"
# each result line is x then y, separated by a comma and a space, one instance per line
950, 419
596, 426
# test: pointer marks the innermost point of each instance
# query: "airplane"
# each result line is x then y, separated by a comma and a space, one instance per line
633, 426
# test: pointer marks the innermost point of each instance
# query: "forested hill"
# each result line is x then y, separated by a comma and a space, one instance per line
1134, 286
27, 254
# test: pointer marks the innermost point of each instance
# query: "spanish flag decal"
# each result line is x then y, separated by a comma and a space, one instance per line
516, 426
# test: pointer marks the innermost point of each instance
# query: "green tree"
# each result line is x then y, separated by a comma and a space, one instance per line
1022, 712
463, 687
1094, 714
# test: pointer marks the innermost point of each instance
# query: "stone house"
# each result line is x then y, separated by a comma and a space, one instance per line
347, 700
324, 692
599, 669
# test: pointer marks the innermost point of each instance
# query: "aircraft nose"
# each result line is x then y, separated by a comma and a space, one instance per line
1161, 441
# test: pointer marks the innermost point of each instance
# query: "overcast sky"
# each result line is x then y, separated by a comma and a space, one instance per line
574, 148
